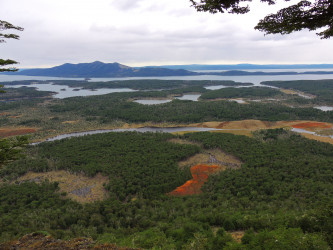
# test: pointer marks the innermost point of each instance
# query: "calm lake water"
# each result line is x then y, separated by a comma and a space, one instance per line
256, 80
324, 108
155, 102
298, 130
64, 91
189, 97
152, 102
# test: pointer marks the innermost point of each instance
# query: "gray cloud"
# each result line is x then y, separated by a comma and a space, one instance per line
125, 5
142, 32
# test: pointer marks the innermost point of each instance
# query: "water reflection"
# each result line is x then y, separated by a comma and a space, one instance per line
64, 91
324, 108
152, 102
189, 97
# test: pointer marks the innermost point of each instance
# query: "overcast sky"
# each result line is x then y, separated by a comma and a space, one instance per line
149, 32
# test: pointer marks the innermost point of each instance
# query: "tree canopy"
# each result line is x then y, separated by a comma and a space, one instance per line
3, 36
314, 15
11, 149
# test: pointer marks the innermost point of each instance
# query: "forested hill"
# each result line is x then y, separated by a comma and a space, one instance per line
100, 69
246, 66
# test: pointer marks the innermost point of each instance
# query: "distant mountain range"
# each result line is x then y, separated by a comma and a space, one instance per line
100, 69
245, 66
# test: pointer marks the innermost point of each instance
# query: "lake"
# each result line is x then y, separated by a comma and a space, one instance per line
152, 102
188, 97
64, 91
256, 80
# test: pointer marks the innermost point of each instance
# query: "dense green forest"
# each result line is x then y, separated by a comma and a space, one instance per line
138, 164
12, 94
116, 106
281, 196
252, 92
321, 89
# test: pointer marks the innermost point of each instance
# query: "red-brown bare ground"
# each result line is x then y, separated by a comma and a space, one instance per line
312, 125
6, 132
200, 175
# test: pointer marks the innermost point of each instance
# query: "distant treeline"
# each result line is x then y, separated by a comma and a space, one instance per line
253, 92
117, 106
12, 94
321, 89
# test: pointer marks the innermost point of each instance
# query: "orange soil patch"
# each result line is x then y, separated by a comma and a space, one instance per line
4, 113
200, 175
6, 132
312, 125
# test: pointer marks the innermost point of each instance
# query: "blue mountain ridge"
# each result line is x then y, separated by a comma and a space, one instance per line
100, 69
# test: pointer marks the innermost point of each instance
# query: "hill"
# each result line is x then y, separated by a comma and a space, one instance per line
100, 69
245, 66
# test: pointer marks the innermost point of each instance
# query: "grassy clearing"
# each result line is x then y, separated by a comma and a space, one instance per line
77, 186
296, 92
211, 157
237, 235
318, 138
247, 133
182, 141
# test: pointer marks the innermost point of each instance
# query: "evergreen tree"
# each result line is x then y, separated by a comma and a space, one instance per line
303, 15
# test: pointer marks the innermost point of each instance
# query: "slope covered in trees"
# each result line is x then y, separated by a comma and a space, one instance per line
283, 192
117, 107
321, 89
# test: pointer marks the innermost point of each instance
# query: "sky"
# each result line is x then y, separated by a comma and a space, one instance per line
149, 32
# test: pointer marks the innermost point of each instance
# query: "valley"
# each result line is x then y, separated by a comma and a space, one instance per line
171, 175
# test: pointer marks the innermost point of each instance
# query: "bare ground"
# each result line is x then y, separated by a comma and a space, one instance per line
212, 157
40, 241
78, 187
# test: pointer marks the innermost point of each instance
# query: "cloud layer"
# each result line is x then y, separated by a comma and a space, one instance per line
148, 32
